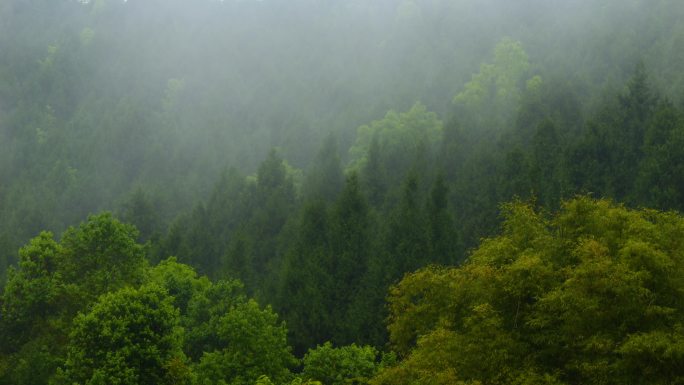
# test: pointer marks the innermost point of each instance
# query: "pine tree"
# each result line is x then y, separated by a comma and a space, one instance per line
350, 241
443, 238
306, 295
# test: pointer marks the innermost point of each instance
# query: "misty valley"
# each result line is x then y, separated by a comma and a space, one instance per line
330, 192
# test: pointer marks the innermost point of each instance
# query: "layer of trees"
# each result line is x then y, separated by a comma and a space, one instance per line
590, 295
104, 102
272, 208
324, 250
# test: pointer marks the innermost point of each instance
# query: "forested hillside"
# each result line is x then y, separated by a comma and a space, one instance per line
391, 191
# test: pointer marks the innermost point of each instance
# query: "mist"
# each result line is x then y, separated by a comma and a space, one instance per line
104, 98
249, 138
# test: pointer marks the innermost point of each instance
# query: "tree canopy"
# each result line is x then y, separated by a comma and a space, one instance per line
591, 295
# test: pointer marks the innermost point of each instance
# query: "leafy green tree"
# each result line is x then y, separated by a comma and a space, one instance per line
231, 338
402, 140
591, 295
555, 99
250, 343
228, 337
102, 255
35, 310
180, 281
490, 98
130, 336
56, 280
589, 160
350, 364
34, 292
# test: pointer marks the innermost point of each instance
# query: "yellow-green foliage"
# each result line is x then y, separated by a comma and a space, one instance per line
592, 295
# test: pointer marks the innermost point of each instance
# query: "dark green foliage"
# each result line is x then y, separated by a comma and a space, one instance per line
351, 247
406, 242
325, 180
237, 231
660, 180
374, 174
443, 237
306, 292
516, 176
546, 166
273, 204
140, 211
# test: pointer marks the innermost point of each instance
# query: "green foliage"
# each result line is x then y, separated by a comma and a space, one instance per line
180, 281
141, 212
338, 366
134, 334
321, 284
264, 380
306, 289
402, 140
250, 343
325, 180
34, 291
232, 339
406, 241
443, 238
102, 255
52, 283
591, 295
130, 336
351, 247
659, 180
493, 94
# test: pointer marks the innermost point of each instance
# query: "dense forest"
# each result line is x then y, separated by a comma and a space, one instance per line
214, 192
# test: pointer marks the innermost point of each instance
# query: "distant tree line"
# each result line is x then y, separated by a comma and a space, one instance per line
105, 102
